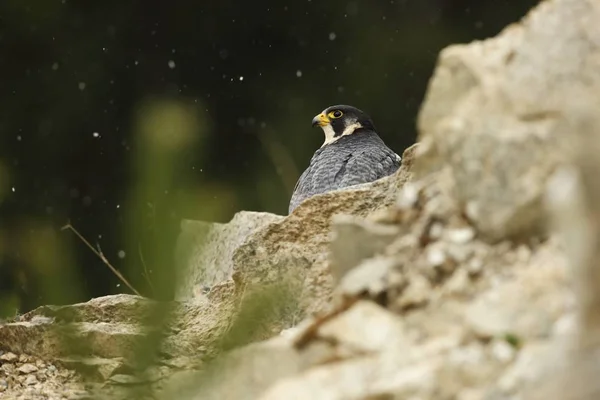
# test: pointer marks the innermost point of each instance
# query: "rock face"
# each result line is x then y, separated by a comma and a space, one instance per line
493, 110
439, 282
205, 251
68, 351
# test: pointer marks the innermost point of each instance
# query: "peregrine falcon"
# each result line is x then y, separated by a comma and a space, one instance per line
352, 153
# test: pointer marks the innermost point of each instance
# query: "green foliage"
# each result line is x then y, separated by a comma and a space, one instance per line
513, 340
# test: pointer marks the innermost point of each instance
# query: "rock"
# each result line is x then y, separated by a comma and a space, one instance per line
541, 284
528, 368
461, 235
503, 351
27, 368
573, 198
359, 379
250, 368
370, 277
83, 343
436, 256
88, 322
8, 357
30, 378
365, 327
493, 111
416, 293
122, 379
204, 250
94, 368
356, 239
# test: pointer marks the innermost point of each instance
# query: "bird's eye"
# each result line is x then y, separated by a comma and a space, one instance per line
335, 114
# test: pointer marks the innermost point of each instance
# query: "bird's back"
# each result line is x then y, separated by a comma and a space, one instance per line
354, 159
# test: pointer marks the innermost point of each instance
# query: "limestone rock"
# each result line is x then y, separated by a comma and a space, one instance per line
28, 377
27, 368
103, 338
95, 368
356, 239
252, 370
369, 278
365, 327
493, 111
541, 284
8, 357
359, 379
205, 250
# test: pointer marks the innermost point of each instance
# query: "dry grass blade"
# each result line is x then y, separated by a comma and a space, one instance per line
101, 256
146, 271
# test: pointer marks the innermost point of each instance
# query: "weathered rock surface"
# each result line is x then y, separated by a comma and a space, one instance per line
30, 377
205, 250
493, 110
438, 282
87, 346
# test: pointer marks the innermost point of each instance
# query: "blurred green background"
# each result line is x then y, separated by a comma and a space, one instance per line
123, 117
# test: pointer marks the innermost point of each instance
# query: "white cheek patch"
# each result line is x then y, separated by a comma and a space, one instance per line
349, 130
330, 134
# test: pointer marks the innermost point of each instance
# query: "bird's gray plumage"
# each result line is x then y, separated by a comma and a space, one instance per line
355, 158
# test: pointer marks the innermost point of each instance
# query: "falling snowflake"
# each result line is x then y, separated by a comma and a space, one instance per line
171, 64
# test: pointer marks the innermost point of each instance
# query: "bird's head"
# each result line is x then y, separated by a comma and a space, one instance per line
341, 120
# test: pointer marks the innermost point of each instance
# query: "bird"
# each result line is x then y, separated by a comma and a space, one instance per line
352, 153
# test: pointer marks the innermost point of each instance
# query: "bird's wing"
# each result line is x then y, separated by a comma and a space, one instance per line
368, 166
300, 190
318, 177
331, 169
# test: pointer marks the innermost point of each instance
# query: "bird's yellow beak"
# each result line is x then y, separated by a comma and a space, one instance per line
320, 120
